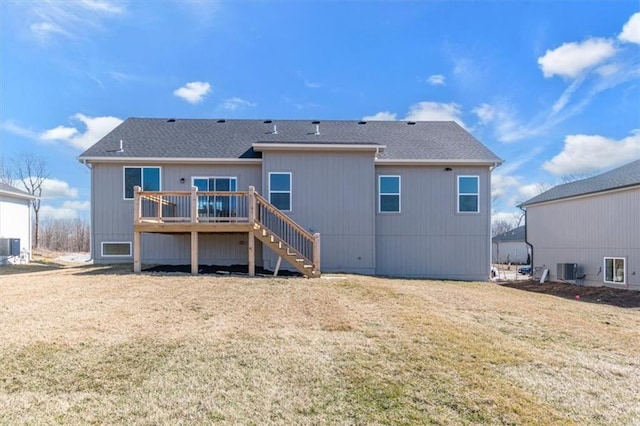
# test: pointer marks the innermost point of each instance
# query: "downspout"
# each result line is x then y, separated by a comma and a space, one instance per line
526, 237
91, 228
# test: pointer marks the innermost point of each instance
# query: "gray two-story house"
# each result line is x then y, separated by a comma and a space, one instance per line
391, 198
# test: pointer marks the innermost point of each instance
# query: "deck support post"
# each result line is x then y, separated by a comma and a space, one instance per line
316, 251
137, 266
252, 254
194, 252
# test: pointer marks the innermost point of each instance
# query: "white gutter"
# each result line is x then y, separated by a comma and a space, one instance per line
200, 160
444, 162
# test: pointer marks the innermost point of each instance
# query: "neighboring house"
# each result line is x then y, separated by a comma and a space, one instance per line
15, 225
588, 231
389, 198
510, 247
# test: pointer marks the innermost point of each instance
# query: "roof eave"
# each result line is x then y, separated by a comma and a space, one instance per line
198, 160
577, 196
261, 146
438, 162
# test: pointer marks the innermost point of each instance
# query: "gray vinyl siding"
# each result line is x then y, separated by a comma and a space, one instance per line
429, 238
113, 216
509, 252
333, 193
585, 230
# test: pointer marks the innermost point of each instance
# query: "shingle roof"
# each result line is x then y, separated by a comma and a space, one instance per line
625, 176
10, 190
515, 235
233, 139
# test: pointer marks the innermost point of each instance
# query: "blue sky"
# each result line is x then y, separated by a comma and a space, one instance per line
550, 86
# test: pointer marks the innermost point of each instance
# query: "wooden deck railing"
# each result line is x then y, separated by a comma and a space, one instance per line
219, 207
194, 206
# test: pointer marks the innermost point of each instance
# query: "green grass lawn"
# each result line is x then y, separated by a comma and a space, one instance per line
91, 345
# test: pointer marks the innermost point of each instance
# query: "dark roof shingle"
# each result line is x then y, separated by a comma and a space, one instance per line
627, 175
232, 139
515, 235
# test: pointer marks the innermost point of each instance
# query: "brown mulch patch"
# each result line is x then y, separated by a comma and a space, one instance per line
606, 295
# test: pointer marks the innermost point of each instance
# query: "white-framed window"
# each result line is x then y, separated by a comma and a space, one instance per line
388, 194
216, 206
280, 190
615, 270
116, 249
468, 194
147, 178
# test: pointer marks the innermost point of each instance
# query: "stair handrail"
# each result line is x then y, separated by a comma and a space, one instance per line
314, 239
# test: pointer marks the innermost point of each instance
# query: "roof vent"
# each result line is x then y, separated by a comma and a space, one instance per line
222, 121
171, 120
362, 122
268, 121
411, 123
121, 149
275, 130
315, 122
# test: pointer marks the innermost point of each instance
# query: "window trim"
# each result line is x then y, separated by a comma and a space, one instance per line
458, 194
399, 194
124, 180
624, 270
290, 191
116, 255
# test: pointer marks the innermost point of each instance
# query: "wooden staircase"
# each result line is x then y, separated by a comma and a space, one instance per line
286, 251
285, 237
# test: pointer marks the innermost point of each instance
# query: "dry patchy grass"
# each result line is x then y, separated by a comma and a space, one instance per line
100, 345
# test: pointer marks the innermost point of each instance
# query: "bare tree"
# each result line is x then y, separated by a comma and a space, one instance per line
6, 173
32, 171
501, 226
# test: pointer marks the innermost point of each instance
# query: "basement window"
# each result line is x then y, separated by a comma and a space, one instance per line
116, 249
468, 194
615, 270
147, 178
389, 194
280, 190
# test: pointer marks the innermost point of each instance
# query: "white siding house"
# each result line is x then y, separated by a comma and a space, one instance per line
588, 232
15, 225
510, 247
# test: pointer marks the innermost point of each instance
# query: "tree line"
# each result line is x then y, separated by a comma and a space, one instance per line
28, 172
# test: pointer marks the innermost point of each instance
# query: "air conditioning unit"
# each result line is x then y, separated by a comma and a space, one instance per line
9, 246
567, 271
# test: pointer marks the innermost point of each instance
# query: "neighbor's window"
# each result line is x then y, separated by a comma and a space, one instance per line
614, 270
280, 190
118, 249
388, 194
468, 194
147, 178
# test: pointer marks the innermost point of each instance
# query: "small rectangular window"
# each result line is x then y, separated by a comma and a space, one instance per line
116, 249
388, 194
468, 194
280, 190
615, 271
147, 178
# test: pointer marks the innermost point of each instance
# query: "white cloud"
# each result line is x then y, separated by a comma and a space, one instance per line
193, 92
586, 153
68, 210
54, 188
485, 112
566, 96
96, 128
571, 59
380, 116
59, 133
77, 205
233, 104
435, 111
608, 70
71, 18
13, 127
529, 191
631, 30
436, 80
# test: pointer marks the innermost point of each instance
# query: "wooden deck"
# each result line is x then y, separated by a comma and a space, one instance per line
197, 212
